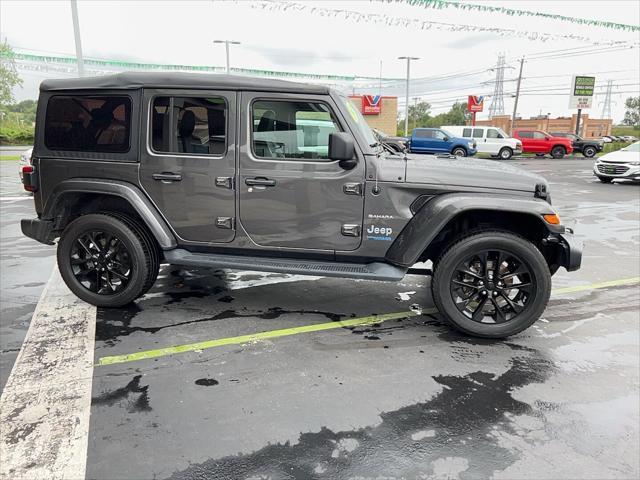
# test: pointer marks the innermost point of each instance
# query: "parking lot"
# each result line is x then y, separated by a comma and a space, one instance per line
219, 374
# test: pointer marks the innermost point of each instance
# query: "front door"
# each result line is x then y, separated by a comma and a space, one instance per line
291, 194
188, 162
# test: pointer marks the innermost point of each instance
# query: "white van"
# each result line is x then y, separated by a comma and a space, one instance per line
491, 140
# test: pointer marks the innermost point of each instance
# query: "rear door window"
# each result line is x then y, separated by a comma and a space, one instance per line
189, 125
478, 132
424, 133
466, 132
88, 123
525, 134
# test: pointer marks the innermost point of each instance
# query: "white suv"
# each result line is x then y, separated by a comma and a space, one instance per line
491, 140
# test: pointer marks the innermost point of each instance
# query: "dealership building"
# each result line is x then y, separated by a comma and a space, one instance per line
379, 111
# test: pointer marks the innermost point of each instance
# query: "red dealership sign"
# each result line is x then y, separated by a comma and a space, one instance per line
371, 104
475, 103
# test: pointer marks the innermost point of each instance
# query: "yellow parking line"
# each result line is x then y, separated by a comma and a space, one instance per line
318, 327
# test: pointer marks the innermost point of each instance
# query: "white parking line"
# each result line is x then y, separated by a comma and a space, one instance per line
15, 198
46, 403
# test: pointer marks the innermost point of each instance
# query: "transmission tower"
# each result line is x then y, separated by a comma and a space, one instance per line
497, 101
606, 104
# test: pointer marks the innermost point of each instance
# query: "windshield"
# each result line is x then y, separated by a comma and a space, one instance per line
447, 133
634, 147
360, 123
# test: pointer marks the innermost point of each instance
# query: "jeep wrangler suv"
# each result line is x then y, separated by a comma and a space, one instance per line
137, 169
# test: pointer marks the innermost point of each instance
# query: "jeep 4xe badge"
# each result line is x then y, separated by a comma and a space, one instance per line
379, 233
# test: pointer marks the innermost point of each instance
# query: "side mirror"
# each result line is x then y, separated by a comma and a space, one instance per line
341, 148
445, 139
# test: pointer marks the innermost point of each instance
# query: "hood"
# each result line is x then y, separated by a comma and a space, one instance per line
470, 172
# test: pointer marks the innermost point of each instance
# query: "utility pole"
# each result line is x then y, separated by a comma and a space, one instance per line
226, 44
515, 104
406, 117
415, 104
76, 34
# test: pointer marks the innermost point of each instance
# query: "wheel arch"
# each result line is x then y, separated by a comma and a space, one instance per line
444, 218
75, 197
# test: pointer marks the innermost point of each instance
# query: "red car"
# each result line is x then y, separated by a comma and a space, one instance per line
539, 142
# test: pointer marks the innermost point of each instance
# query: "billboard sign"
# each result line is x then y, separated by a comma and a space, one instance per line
371, 104
475, 103
581, 95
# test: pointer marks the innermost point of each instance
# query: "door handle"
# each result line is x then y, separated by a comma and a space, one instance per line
260, 181
167, 177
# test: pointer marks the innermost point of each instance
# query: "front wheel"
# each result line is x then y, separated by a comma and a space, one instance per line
491, 284
506, 153
605, 179
105, 261
558, 152
589, 152
459, 152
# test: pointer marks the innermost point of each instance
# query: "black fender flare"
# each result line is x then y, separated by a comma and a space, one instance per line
129, 192
434, 215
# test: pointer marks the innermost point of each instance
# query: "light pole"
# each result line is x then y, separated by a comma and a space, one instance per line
76, 34
226, 44
406, 117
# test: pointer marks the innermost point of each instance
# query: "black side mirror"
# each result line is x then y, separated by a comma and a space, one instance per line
341, 148
445, 139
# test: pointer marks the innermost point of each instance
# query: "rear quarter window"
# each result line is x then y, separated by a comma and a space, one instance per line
88, 123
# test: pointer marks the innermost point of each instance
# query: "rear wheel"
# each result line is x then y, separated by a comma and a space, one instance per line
459, 152
105, 261
589, 152
506, 153
558, 152
491, 284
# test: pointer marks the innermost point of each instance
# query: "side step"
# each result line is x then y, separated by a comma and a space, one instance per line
369, 271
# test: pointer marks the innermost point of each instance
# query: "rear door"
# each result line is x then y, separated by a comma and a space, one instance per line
526, 137
188, 161
291, 194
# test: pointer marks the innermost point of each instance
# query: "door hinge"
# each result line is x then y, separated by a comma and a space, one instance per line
224, 182
225, 222
350, 230
352, 188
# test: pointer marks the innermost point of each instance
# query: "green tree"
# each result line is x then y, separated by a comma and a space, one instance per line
632, 115
8, 75
418, 112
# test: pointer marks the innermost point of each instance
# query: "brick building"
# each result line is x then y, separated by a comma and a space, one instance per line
386, 118
589, 127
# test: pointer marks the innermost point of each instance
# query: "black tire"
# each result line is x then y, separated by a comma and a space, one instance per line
505, 153
103, 232
589, 151
558, 152
512, 253
539, 154
459, 152
605, 179
152, 246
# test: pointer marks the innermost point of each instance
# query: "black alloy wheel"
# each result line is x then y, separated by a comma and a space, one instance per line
101, 262
492, 286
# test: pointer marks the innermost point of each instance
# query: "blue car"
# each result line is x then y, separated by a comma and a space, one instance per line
436, 140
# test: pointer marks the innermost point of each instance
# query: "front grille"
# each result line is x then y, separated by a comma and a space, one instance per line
612, 169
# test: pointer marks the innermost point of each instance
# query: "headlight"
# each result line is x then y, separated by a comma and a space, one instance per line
471, 145
635, 164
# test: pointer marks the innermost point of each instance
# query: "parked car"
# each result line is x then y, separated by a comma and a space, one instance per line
629, 138
588, 148
607, 139
438, 140
623, 164
541, 143
491, 140
25, 159
135, 169
397, 144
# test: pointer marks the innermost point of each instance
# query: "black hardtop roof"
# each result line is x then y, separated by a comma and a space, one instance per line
137, 80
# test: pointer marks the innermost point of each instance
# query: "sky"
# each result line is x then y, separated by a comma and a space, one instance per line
310, 37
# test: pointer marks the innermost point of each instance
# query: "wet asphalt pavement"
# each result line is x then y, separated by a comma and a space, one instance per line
405, 398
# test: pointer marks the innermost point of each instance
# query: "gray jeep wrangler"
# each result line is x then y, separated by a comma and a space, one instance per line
137, 169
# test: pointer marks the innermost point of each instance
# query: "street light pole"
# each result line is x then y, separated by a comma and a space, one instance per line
76, 34
226, 44
406, 117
